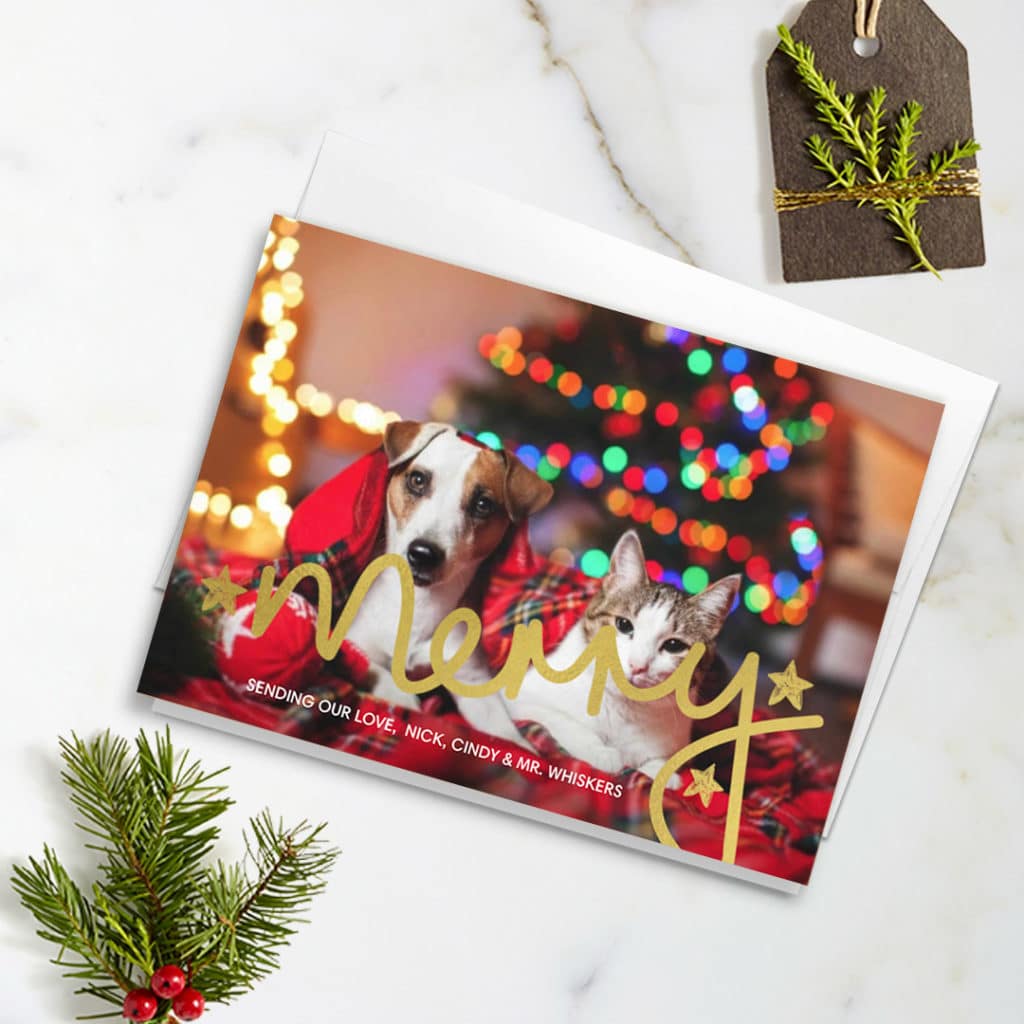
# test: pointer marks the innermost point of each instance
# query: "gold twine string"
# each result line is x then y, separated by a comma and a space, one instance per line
950, 183
866, 18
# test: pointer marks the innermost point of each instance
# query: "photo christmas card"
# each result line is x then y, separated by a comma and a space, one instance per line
590, 567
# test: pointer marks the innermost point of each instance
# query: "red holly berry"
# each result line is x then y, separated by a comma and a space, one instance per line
168, 981
140, 1004
189, 1004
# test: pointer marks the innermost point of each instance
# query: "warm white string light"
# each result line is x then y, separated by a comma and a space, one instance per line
279, 293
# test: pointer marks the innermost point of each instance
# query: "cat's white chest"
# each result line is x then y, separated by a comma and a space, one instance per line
567, 698
643, 731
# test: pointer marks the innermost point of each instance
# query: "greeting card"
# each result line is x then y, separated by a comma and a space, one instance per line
606, 569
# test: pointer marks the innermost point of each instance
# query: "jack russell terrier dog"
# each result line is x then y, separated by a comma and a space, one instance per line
450, 503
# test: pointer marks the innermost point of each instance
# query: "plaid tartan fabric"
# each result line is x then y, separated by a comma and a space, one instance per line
338, 526
522, 587
787, 789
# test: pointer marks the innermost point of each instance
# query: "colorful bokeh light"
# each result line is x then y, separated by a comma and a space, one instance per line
594, 562
711, 468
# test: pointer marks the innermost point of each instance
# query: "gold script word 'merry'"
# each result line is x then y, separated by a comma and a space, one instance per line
527, 648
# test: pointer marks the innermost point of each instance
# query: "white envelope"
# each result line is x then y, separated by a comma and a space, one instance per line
378, 195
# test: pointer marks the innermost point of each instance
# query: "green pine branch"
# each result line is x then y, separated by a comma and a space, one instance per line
864, 135
70, 921
250, 919
150, 812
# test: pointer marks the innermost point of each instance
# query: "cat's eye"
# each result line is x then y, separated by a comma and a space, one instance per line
623, 625
673, 645
416, 481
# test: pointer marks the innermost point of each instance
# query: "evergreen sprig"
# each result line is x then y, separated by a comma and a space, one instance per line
250, 915
863, 133
150, 814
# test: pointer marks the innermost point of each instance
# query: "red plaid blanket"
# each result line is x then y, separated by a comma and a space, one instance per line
787, 790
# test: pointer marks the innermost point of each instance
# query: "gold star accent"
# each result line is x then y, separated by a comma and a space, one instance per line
788, 686
221, 592
703, 785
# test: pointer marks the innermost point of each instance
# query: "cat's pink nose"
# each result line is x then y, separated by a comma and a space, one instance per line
636, 670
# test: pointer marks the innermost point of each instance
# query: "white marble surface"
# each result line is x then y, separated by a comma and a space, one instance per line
142, 153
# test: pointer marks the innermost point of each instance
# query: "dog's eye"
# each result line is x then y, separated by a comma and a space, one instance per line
673, 646
623, 625
482, 507
416, 481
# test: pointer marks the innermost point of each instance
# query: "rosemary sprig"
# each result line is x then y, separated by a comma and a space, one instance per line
863, 133
948, 159
875, 135
901, 153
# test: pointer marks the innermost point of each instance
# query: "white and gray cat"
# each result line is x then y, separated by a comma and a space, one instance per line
656, 625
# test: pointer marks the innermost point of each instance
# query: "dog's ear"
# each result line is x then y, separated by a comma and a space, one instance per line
405, 439
525, 492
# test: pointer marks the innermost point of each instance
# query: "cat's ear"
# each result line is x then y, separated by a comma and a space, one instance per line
627, 567
715, 603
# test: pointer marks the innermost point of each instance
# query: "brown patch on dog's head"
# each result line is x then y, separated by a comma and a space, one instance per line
483, 504
401, 500
498, 490
405, 439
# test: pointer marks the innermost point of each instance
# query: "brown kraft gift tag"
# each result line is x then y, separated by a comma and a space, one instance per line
918, 59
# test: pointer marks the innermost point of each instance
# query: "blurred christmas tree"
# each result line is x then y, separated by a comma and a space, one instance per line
696, 442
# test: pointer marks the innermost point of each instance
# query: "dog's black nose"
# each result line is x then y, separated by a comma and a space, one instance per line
424, 556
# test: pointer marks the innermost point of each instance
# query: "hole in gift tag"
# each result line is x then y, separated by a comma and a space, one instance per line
864, 47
